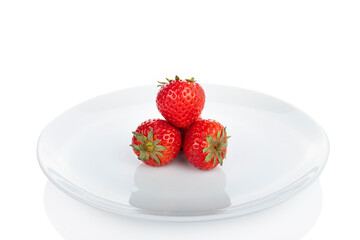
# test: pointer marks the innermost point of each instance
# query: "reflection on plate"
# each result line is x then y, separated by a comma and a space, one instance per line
275, 152
196, 192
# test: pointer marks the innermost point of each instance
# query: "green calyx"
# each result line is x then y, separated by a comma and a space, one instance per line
148, 147
216, 147
176, 78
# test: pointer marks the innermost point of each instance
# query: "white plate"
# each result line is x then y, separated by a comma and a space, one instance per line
274, 152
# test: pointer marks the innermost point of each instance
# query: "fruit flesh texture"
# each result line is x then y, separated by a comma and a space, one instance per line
181, 102
169, 135
195, 142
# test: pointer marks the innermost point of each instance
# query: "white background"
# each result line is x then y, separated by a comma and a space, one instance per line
55, 54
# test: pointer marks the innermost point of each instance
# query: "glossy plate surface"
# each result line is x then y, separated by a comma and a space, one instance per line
274, 152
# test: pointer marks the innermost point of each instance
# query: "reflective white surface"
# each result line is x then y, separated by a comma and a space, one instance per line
288, 221
275, 151
164, 191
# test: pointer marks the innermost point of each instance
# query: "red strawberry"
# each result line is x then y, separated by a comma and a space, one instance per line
205, 144
180, 101
156, 142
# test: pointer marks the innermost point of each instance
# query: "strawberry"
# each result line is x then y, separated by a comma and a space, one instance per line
205, 144
180, 101
156, 142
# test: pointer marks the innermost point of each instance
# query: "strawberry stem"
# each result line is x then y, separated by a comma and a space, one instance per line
217, 147
148, 147
176, 78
